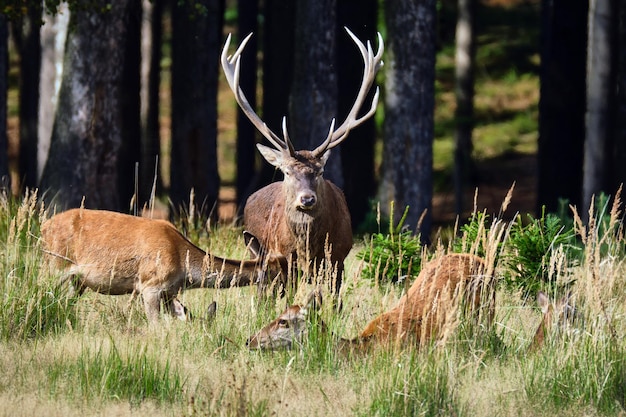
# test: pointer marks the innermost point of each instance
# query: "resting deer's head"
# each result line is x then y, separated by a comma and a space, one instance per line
289, 328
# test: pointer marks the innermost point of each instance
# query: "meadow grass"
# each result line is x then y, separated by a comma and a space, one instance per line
97, 355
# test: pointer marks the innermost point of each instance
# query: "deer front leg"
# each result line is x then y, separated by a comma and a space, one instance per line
152, 303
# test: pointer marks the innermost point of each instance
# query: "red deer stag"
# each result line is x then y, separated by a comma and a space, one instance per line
420, 315
304, 215
556, 316
113, 253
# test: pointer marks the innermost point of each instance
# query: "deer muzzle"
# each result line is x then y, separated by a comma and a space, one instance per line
306, 201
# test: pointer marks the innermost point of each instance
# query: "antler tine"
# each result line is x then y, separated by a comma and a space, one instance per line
371, 64
232, 66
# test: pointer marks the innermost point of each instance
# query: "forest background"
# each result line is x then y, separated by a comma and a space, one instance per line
476, 94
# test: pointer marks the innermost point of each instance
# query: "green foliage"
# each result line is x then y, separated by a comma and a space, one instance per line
417, 387
471, 235
107, 374
529, 250
595, 374
392, 256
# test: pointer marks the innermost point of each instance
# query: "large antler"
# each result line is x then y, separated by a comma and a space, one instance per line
372, 63
232, 65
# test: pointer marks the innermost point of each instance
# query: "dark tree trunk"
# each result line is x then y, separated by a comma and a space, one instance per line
313, 102
357, 151
130, 151
151, 38
278, 62
196, 47
5, 178
600, 100
53, 35
26, 35
409, 110
87, 137
562, 102
619, 136
246, 151
464, 89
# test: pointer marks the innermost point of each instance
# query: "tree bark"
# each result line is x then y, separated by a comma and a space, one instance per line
409, 111
278, 68
151, 38
196, 47
313, 102
130, 151
600, 99
86, 139
618, 174
5, 178
246, 151
562, 103
357, 151
53, 35
26, 35
464, 90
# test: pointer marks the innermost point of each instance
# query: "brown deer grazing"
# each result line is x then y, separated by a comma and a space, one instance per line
113, 253
419, 316
556, 316
304, 216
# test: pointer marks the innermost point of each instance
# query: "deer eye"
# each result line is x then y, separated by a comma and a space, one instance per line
283, 323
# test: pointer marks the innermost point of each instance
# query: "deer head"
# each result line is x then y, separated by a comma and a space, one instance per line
289, 328
556, 317
303, 169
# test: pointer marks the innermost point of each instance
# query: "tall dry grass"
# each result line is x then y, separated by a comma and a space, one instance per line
97, 355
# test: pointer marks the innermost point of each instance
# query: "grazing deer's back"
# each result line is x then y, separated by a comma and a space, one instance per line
102, 239
423, 310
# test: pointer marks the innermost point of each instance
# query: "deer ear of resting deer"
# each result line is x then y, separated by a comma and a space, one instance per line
113, 253
304, 217
420, 315
556, 316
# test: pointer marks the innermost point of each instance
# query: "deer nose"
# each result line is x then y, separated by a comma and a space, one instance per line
308, 200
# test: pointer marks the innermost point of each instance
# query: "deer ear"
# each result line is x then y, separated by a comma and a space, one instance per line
543, 301
253, 244
314, 300
273, 156
325, 157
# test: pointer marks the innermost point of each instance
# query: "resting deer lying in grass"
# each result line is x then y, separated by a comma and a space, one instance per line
556, 316
113, 253
421, 315
304, 216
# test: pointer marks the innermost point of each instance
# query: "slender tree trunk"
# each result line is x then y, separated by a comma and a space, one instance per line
600, 82
278, 63
5, 178
464, 89
26, 34
130, 151
562, 103
357, 152
151, 38
248, 11
53, 35
618, 174
86, 139
196, 47
313, 102
409, 111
